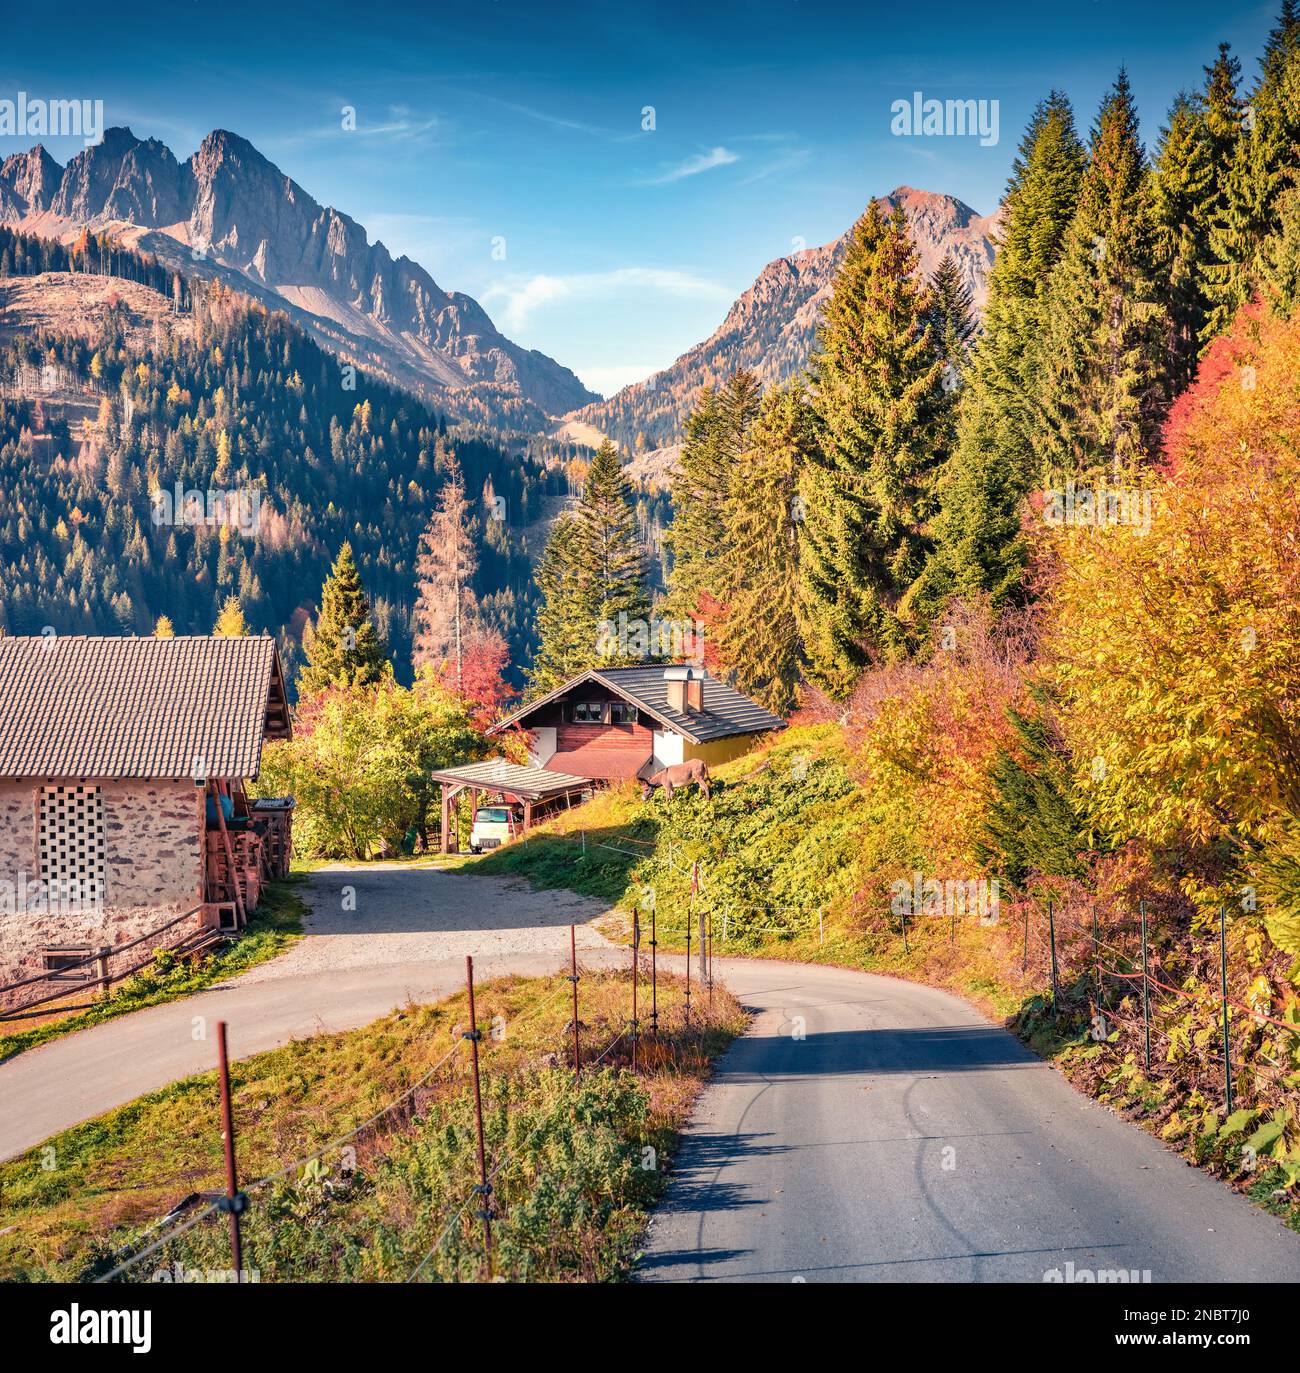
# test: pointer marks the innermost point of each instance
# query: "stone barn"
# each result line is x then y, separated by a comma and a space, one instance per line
124, 818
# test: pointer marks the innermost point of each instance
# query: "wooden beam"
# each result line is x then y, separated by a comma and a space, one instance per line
446, 819
230, 857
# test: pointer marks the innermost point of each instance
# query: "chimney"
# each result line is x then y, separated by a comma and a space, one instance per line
685, 688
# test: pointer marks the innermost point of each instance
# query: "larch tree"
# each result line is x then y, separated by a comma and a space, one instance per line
230, 623
445, 567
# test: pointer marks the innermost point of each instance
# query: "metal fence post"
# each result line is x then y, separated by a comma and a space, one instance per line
636, 940
484, 1188
654, 977
1146, 986
573, 977
688, 967
1024, 956
234, 1202
1096, 952
1223, 987
1051, 935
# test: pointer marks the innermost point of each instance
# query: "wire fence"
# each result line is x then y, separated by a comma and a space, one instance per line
237, 1198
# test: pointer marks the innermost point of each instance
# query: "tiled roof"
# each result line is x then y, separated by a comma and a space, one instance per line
73, 706
726, 711
605, 763
498, 775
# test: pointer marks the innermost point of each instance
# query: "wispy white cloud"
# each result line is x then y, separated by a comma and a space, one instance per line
693, 166
520, 299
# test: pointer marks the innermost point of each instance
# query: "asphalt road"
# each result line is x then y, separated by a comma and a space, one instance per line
865, 1129
872, 1130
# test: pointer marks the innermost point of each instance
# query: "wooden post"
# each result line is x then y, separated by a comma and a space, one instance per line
230, 858
528, 816
446, 820
101, 972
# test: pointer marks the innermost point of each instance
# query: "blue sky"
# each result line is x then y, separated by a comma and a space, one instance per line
502, 145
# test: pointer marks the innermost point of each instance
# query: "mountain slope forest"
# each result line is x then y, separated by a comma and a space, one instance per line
168, 381
1040, 591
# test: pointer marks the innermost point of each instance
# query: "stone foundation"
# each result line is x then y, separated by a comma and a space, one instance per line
153, 856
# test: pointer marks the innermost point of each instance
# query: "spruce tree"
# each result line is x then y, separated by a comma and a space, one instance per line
867, 488
1263, 166
1100, 383
568, 612
343, 647
979, 544
951, 319
608, 544
1185, 192
716, 434
592, 580
758, 635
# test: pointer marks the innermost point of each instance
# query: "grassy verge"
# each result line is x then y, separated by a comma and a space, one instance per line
778, 847
575, 1165
275, 925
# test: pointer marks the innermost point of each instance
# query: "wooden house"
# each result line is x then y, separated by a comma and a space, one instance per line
616, 723
124, 818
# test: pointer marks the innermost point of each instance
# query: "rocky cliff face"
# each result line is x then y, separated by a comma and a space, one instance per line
229, 205
772, 327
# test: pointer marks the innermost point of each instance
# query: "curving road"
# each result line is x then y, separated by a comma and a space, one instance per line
865, 1129
873, 1130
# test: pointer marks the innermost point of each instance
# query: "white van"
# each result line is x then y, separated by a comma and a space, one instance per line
494, 826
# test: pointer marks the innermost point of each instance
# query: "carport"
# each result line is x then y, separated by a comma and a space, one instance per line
526, 786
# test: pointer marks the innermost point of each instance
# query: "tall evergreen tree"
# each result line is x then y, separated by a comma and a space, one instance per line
867, 488
1185, 193
716, 434
1100, 383
568, 613
591, 575
951, 319
979, 545
758, 634
1264, 164
343, 647
607, 540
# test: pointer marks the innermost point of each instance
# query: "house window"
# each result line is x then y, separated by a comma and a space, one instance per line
587, 712
72, 846
621, 713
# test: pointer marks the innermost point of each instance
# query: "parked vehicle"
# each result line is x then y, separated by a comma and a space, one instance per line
494, 826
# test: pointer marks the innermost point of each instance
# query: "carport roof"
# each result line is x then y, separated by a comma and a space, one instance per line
496, 774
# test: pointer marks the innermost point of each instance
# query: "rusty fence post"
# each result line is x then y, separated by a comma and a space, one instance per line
1146, 987
688, 968
1223, 988
234, 1203
1051, 936
654, 978
484, 1188
573, 977
636, 941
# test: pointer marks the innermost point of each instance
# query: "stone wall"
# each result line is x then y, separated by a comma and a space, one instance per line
153, 842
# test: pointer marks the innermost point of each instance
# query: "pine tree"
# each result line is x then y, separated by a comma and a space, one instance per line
445, 568
343, 647
1101, 389
758, 636
867, 489
230, 623
979, 544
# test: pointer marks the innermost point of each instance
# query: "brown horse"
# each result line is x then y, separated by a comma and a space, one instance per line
678, 775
